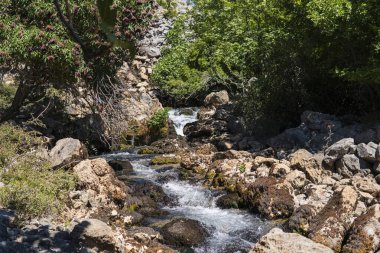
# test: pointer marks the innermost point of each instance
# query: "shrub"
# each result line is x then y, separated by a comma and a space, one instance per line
159, 119
31, 187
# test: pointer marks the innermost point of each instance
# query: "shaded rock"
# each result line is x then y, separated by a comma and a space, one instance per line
317, 121
270, 198
231, 200
364, 235
169, 146
121, 165
338, 150
301, 218
217, 98
330, 225
67, 152
349, 165
279, 170
290, 138
205, 129
376, 168
277, 241
184, 232
367, 151
94, 233
366, 136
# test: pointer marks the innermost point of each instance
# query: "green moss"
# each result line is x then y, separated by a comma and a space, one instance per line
146, 151
210, 175
161, 160
132, 208
123, 146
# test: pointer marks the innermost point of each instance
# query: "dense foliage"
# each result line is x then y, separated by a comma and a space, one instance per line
31, 187
281, 57
63, 43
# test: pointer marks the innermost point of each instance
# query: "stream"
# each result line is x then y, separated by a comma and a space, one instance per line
231, 230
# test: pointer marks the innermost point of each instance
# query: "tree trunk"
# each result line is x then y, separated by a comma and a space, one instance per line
22, 93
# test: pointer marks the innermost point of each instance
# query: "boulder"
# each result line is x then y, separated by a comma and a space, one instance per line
316, 121
364, 234
304, 161
231, 200
271, 198
94, 233
366, 184
330, 225
97, 177
367, 151
121, 165
279, 170
277, 241
67, 153
301, 218
217, 98
169, 146
350, 164
290, 138
297, 179
184, 232
338, 150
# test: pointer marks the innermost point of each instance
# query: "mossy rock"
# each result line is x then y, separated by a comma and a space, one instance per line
210, 175
161, 160
146, 151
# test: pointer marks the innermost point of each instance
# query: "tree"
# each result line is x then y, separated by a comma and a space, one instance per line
278, 57
67, 44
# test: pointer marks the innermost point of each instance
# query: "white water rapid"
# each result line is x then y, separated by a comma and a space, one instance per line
181, 117
231, 230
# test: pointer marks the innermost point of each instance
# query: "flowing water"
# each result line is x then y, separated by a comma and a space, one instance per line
230, 230
181, 117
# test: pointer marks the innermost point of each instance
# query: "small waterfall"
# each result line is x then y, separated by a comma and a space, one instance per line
182, 116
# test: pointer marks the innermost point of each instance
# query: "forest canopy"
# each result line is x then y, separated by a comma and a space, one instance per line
280, 57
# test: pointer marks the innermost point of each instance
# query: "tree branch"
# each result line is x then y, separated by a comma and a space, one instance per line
71, 30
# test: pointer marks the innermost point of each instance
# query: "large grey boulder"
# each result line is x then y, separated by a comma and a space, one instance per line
277, 241
367, 151
94, 233
338, 150
67, 153
350, 164
364, 234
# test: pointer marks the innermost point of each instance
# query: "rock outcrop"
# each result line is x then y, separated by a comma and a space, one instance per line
277, 241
